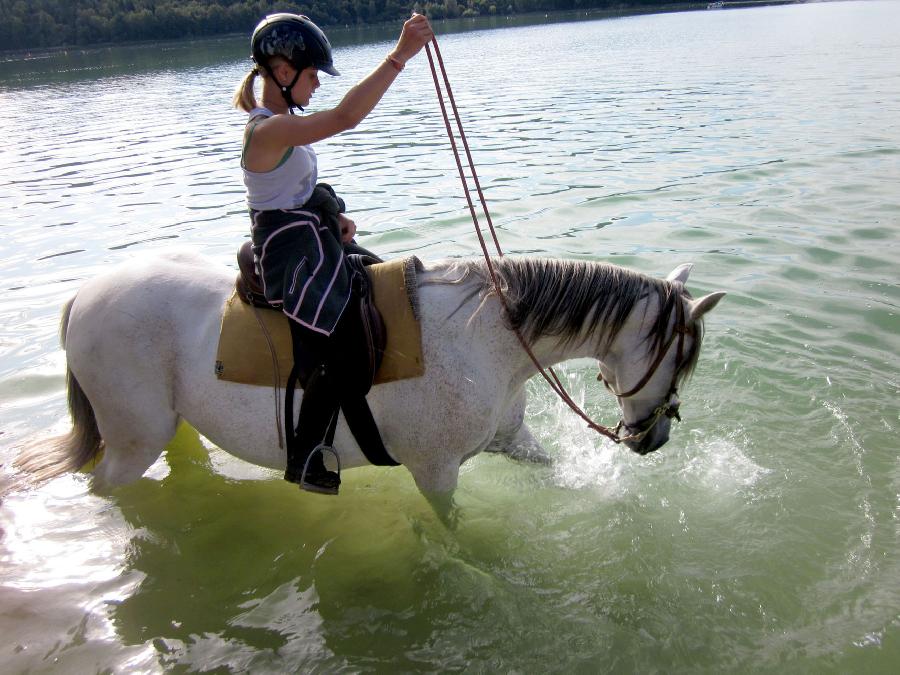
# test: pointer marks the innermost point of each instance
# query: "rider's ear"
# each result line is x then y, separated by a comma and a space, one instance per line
680, 273
701, 306
282, 70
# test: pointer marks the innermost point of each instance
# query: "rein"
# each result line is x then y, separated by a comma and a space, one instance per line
644, 426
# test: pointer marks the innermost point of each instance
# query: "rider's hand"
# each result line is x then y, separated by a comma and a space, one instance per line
416, 34
348, 228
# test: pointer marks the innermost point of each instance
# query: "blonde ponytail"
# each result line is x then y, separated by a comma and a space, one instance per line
244, 96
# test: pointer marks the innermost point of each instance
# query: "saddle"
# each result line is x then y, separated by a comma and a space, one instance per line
248, 283
249, 288
359, 418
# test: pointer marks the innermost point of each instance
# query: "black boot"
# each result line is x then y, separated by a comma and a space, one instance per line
313, 435
317, 478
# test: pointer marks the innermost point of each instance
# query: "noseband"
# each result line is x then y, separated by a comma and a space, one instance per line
638, 430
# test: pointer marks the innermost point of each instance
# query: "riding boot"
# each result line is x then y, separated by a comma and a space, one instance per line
314, 430
313, 433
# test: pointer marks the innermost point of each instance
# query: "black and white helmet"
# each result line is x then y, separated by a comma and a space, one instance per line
295, 38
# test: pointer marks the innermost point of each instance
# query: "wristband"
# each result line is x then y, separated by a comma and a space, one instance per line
396, 63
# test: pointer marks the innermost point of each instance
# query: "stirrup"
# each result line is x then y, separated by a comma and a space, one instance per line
314, 487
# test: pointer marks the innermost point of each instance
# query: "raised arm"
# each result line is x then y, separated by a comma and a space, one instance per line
289, 130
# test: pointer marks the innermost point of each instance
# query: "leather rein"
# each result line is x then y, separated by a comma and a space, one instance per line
667, 408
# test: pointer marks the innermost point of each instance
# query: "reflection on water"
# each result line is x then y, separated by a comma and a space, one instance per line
761, 144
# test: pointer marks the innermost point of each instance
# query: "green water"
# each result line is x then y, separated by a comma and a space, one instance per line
761, 144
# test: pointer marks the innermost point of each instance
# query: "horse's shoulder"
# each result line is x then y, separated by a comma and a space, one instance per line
439, 266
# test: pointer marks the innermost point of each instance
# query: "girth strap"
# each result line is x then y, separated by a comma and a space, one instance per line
359, 419
365, 431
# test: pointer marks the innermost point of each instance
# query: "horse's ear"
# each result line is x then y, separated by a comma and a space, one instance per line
680, 273
701, 306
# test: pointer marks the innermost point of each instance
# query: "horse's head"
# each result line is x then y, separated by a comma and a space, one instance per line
646, 369
645, 332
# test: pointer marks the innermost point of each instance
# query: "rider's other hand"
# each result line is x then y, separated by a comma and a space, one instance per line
348, 228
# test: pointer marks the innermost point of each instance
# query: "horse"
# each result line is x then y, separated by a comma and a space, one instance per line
141, 341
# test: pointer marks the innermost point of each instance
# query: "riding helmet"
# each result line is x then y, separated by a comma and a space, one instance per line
294, 37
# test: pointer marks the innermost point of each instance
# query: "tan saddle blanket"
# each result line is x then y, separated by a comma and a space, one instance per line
255, 344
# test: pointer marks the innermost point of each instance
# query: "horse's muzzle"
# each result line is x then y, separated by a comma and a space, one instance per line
652, 441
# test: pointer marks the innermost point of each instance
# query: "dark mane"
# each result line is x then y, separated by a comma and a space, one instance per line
570, 300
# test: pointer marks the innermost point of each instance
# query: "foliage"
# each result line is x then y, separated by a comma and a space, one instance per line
28, 24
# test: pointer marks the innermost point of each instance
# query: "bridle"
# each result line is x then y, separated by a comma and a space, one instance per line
666, 408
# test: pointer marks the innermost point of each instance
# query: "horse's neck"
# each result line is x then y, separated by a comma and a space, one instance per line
459, 316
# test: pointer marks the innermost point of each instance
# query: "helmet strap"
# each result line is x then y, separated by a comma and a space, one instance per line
288, 97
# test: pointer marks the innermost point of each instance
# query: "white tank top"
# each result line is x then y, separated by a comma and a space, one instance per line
289, 185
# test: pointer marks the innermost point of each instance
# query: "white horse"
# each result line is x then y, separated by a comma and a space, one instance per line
141, 345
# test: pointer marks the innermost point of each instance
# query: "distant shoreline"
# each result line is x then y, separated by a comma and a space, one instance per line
624, 9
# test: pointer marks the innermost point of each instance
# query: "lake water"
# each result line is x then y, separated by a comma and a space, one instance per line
761, 144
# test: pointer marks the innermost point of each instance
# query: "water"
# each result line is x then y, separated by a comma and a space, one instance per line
761, 144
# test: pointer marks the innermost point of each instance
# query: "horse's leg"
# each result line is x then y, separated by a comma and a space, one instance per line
133, 414
134, 436
437, 484
515, 439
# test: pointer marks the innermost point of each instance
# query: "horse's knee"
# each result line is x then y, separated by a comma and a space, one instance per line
437, 485
521, 445
525, 447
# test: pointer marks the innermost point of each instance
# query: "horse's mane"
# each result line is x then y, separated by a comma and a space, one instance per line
570, 299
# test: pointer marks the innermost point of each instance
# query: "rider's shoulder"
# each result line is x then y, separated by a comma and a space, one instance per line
259, 114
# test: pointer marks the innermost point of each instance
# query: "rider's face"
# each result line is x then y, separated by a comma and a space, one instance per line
306, 86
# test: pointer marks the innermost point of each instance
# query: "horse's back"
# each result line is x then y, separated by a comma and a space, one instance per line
180, 271
146, 308
154, 281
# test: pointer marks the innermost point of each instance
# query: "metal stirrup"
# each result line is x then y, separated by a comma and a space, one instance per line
322, 448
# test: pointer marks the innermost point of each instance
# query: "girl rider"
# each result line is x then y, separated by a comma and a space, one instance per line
298, 229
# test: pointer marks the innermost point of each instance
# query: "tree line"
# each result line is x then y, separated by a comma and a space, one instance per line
36, 24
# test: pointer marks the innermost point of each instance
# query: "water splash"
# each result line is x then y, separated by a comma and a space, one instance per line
859, 558
721, 464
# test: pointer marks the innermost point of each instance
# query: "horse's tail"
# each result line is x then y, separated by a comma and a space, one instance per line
64, 321
46, 459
